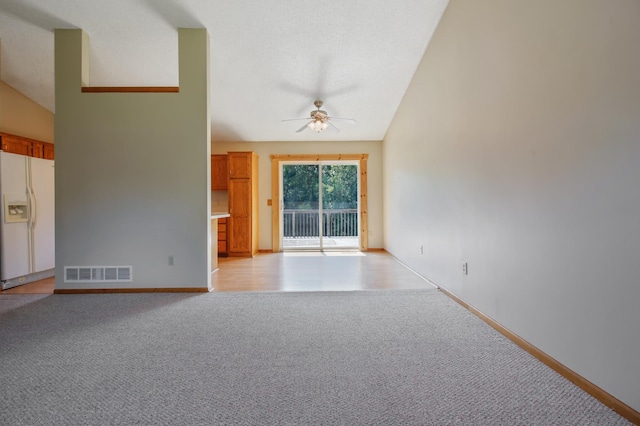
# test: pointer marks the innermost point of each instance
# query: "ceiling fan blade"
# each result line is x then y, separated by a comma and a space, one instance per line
303, 127
294, 119
334, 126
351, 120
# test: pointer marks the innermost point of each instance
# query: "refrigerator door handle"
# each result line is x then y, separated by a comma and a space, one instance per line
33, 210
31, 229
31, 214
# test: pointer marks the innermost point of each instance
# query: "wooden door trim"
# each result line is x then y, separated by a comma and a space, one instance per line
275, 191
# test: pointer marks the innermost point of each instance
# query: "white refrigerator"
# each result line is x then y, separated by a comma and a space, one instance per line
27, 225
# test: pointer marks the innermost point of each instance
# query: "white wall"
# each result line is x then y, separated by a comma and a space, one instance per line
266, 149
517, 149
132, 171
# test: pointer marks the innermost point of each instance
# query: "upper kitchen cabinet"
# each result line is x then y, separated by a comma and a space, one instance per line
242, 229
25, 146
240, 165
219, 173
16, 145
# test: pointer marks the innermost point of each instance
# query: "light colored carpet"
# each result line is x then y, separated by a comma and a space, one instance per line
337, 358
12, 301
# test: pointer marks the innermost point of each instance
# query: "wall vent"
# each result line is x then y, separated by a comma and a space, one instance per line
99, 274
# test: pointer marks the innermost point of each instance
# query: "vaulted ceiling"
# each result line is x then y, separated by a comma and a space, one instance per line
269, 60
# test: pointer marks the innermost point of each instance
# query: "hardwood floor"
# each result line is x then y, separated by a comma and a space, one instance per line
45, 286
315, 271
296, 271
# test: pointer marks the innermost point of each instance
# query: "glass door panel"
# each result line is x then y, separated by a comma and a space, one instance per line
301, 202
340, 206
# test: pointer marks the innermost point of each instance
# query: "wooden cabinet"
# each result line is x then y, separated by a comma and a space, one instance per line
240, 165
25, 146
16, 145
48, 151
242, 230
240, 210
37, 149
219, 172
223, 251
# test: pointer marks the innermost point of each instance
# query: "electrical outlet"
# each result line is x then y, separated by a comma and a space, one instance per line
421, 249
465, 268
170, 260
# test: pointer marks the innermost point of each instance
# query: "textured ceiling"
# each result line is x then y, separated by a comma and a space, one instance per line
269, 59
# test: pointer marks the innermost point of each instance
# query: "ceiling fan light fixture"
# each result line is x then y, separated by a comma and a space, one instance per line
318, 125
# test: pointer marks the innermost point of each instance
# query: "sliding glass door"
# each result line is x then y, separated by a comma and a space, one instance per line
319, 205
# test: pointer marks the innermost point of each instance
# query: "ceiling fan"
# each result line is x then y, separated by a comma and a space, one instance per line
319, 120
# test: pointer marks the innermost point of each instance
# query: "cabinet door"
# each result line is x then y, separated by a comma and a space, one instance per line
48, 151
37, 149
240, 165
239, 229
219, 172
16, 145
222, 237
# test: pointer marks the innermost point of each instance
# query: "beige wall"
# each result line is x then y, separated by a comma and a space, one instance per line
21, 116
516, 149
266, 149
132, 171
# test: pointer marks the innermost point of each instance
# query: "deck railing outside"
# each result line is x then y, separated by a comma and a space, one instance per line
335, 223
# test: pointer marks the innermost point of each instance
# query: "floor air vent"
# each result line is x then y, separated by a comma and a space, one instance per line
98, 274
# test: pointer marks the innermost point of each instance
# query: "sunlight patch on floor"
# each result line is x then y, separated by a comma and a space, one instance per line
302, 253
321, 253
344, 253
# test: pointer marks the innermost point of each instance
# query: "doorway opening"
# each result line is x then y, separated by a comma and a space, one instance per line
322, 212
320, 208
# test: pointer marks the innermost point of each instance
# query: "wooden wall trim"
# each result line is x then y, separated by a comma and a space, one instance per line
364, 216
132, 290
320, 157
125, 89
275, 191
601, 395
275, 204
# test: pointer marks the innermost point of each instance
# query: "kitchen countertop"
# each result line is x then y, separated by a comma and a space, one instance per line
219, 215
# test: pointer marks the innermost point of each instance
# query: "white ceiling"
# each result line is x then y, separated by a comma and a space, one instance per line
269, 59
